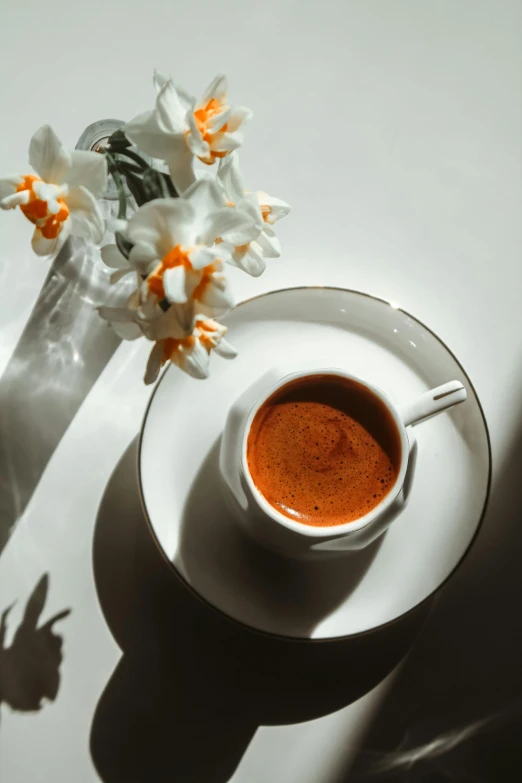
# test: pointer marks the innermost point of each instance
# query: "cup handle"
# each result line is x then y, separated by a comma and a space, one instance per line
432, 402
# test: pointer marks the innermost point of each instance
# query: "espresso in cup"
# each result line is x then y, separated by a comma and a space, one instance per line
323, 450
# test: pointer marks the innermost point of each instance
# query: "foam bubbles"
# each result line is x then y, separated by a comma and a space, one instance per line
317, 464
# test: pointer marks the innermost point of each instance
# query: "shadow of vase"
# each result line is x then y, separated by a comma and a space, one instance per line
62, 351
192, 686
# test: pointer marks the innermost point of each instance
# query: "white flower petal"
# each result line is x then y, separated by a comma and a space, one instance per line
86, 217
209, 327
145, 132
229, 175
9, 184
112, 257
88, 169
172, 109
197, 147
193, 361
194, 140
47, 247
159, 80
172, 323
278, 208
133, 301
211, 334
117, 314
185, 313
144, 257
216, 122
250, 205
239, 116
115, 224
204, 195
269, 245
177, 284
48, 156
232, 225
250, 261
162, 223
216, 297
181, 167
217, 89
147, 304
204, 256
154, 364
227, 142
15, 199
225, 350
118, 274
123, 320
185, 98
130, 331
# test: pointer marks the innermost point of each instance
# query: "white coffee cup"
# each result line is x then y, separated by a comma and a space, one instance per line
276, 531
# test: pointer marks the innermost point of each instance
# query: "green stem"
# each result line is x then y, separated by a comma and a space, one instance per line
122, 198
164, 189
124, 166
135, 157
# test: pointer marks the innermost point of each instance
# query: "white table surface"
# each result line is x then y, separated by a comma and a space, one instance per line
394, 129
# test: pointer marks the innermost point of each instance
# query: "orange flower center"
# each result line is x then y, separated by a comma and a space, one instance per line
266, 211
206, 328
202, 117
179, 257
171, 345
201, 287
37, 211
207, 338
242, 249
175, 257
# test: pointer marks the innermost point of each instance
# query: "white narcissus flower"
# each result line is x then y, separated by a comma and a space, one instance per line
216, 127
146, 318
178, 128
191, 354
61, 198
187, 347
172, 247
265, 210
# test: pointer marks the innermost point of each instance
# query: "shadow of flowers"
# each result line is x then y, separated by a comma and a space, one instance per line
30, 666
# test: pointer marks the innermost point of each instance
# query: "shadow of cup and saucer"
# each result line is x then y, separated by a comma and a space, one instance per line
192, 686
285, 596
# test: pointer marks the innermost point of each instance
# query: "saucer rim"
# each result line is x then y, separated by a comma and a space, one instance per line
382, 626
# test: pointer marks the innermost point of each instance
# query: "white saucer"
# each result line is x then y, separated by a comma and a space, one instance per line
357, 591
